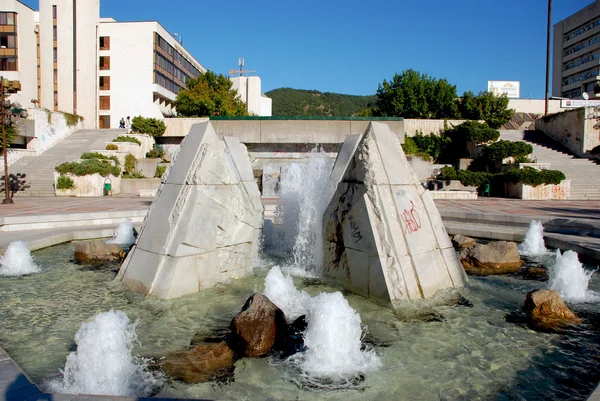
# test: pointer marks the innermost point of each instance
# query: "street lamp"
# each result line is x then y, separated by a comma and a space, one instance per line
6, 88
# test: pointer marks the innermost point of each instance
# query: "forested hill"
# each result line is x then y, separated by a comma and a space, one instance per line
299, 102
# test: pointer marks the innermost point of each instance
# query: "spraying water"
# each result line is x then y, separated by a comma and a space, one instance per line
568, 277
17, 260
301, 209
334, 356
534, 240
103, 363
124, 235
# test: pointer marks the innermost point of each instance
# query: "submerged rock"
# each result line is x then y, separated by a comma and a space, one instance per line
257, 327
462, 242
546, 308
499, 257
200, 364
98, 251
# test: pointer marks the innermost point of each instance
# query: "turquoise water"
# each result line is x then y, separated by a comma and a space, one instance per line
429, 352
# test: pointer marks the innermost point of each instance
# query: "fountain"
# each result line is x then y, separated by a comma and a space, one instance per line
124, 235
533, 244
568, 276
17, 261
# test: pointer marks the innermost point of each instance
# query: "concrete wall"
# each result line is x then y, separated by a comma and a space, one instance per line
578, 129
561, 191
413, 126
26, 52
534, 106
134, 186
179, 127
89, 185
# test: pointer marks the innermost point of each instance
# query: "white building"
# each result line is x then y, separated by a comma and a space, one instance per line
249, 91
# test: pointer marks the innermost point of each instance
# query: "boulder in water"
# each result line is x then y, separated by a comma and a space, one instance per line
200, 364
462, 242
499, 257
98, 251
257, 327
546, 308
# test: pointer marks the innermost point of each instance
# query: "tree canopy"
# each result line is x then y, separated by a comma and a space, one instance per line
208, 95
486, 106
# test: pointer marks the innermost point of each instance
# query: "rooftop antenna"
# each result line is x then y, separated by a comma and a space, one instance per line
241, 70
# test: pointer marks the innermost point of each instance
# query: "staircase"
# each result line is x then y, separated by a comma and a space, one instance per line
583, 173
35, 174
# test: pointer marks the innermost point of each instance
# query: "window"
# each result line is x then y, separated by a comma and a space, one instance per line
104, 122
7, 18
55, 76
105, 62
54, 13
8, 64
54, 33
104, 102
55, 55
104, 42
55, 100
105, 83
7, 40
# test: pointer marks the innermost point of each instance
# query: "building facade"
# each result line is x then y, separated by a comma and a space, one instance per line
576, 59
69, 59
250, 92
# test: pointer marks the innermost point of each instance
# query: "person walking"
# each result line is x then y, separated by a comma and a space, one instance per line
128, 124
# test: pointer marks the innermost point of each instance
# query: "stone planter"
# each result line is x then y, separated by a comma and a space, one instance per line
129, 147
137, 186
519, 190
88, 185
148, 167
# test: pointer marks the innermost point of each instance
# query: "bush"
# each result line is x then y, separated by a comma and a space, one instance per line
466, 177
157, 152
151, 126
130, 164
112, 146
160, 170
596, 150
72, 119
64, 182
135, 174
409, 146
473, 131
427, 147
502, 149
531, 176
88, 167
127, 138
96, 155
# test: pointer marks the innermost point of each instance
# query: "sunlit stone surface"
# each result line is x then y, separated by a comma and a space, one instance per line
383, 235
205, 223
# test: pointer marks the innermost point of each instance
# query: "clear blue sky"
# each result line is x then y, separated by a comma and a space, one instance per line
351, 46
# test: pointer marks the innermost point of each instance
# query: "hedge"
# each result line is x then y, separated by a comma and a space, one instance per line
527, 175
127, 138
88, 167
151, 126
96, 155
502, 149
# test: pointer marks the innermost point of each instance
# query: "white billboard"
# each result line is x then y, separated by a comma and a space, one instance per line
569, 103
512, 89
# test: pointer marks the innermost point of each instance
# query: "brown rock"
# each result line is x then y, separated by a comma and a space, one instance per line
547, 309
98, 251
499, 257
462, 242
200, 364
256, 328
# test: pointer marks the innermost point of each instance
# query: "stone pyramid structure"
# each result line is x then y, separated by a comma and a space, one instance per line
205, 223
383, 235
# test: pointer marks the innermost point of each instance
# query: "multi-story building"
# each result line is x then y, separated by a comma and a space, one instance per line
576, 60
69, 59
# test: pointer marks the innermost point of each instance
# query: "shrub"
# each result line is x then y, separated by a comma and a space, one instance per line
409, 146
596, 150
466, 177
88, 167
151, 126
64, 182
160, 170
130, 164
157, 152
503, 149
127, 138
473, 131
96, 155
135, 174
72, 119
421, 145
531, 176
112, 146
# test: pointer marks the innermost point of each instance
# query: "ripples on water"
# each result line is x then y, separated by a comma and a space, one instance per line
429, 351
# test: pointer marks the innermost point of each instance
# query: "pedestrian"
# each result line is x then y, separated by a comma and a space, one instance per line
122, 123
128, 124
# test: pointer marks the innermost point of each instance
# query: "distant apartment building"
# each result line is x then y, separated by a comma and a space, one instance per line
576, 60
69, 59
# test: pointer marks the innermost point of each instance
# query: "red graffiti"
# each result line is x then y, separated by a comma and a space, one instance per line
411, 219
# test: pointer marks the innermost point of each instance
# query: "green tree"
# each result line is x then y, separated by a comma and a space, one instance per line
11, 134
208, 95
415, 95
487, 107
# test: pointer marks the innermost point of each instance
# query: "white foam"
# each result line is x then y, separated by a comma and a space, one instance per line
104, 363
333, 337
124, 234
569, 277
17, 260
533, 244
